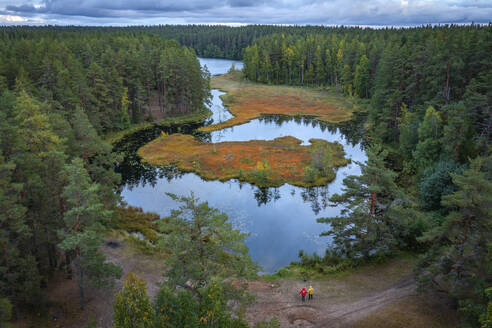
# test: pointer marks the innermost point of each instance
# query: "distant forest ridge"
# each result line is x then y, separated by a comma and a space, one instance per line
219, 41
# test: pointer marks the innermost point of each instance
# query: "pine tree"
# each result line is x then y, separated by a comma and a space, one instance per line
203, 245
84, 218
347, 79
365, 226
19, 276
97, 155
457, 136
320, 66
460, 254
362, 76
429, 145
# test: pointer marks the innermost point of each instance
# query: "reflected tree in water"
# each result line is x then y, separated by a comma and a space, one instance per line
318, 197
265, 195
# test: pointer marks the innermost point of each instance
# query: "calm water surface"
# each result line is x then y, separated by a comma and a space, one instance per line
280, 221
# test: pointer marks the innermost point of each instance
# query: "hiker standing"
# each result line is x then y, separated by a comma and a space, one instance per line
303, 293
310, 292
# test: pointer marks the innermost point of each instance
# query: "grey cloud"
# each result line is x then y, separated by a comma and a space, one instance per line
22, 8
92, 8
328, 12
242, 3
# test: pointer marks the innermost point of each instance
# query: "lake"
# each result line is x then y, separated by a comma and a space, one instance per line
280, 221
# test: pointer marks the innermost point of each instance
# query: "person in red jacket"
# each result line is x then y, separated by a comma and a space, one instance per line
303, 293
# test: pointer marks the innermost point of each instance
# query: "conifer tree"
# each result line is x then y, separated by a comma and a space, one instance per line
429, 145
460, 254
85, 218
203, 246
362, 76
19, 277
365, 226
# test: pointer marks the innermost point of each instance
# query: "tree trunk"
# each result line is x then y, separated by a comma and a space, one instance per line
373, 203
80, 282
373, 198
447, 91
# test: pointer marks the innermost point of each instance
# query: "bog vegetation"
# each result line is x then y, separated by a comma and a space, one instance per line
247, 101
264, 163
426, 186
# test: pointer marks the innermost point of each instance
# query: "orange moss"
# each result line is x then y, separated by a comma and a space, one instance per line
247, 100
265, 163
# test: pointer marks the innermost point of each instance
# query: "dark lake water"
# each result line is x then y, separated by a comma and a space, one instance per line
280, 221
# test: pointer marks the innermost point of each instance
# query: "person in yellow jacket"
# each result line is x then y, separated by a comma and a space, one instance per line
310, 293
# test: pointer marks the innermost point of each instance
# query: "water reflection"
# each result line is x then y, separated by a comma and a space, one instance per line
280, 221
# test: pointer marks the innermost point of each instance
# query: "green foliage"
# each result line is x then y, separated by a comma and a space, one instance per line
459, 259
61, 86
114, 79
362, 78
205, 252
322, 158
429, 145
82, 235
260, 175
180, 310
58, 93
214, 310
5, 311
457, 140
408, 127
132, 219
437, 182
370, 224
183, 309
486, 316
132, 306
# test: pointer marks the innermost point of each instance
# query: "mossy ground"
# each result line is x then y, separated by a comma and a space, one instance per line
264, 163
247, 100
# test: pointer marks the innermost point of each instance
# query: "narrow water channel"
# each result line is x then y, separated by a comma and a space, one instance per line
280, 221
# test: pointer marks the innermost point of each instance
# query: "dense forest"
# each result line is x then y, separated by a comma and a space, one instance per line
215, 41
115, 78
427, 183
426, 186
60, 93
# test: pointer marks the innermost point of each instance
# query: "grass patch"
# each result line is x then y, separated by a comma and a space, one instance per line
247, 100
315, 267
264, 163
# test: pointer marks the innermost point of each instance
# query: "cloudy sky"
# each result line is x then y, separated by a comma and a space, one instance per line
237, 12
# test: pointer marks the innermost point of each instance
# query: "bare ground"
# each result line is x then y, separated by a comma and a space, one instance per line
379, 296
375, 296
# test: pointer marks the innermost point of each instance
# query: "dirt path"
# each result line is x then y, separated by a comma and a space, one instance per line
346, 313
382, 296
323, 311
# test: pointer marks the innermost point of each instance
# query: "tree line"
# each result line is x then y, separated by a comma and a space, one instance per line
426, 185
214, 41
60, 93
